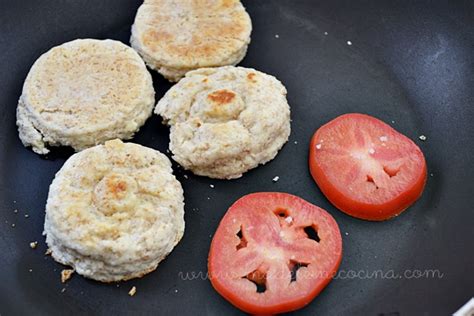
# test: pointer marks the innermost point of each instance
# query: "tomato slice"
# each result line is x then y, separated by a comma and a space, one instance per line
365, 167
273, 253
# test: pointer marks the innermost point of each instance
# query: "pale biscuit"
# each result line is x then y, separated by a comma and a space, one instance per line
114, 211
83, 93
176, 36
225, 121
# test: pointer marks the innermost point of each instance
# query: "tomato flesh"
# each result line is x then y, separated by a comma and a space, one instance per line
273, 253
365, 167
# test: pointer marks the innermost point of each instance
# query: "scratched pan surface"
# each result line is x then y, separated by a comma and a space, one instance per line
410, 64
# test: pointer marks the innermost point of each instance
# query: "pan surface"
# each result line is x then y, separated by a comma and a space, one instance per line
409, 64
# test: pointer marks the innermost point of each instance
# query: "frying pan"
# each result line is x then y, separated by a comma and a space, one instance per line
410, 64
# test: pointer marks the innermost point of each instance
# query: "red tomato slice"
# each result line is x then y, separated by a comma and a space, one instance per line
273, 253
365, 167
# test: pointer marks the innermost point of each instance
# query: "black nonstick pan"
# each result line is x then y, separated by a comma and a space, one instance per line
409, 63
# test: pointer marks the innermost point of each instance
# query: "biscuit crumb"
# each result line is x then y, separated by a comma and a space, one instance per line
349, 43
422, 137
326, 33
186, 176
30, 270
347, 234
15, 211
63, 290
33, 244
296, 142
13, 225
176, 291
66, 274
277, 36
211, 186
276, 179
48, 252
132, 291
26, 215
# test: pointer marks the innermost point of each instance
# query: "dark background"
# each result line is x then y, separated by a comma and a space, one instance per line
410, 64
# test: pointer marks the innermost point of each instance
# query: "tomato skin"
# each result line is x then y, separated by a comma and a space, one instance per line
357, 208
280, 306
275, 309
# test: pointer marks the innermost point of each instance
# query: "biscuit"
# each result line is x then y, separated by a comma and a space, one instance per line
83, 93
114, 211
176, 36
225, 121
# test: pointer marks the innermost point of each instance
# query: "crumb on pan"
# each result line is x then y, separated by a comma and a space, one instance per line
66, 274
132, 291
33, 244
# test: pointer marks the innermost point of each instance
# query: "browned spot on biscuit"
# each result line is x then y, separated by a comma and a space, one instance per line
116, 187
204, 80
251, 76
151, 37
228, 3
221, 96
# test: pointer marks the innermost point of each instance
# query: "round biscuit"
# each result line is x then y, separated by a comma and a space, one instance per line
176, 36
82, 93
114, 211
225, 121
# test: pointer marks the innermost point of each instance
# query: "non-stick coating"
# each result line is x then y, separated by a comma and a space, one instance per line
410, 64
